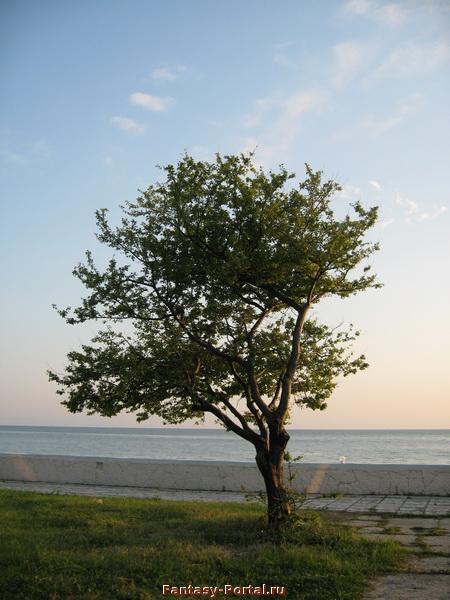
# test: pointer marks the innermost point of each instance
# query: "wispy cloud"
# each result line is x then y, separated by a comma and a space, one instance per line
260, 108
390, 13
375, 184
127, 124
349, 59
414, 212
349, 191
357, 7
12, 158
406, 108
298, 103
28, 153
168, 74
281, 57
153, 103
385, 223
286, 127
286, 119
413, 59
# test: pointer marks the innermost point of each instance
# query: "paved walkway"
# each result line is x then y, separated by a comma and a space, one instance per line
426, 574
429, 506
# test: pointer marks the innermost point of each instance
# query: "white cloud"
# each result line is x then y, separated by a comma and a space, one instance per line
153, 103
415, 213
299, 103
259, 111
407, 108
108, 161
385, 223
283, 123
163, 73
435, 212
357, 7
166, 74
376, 186
390, 13
127, 124
287, 125
349, 59
413, 59
410, 206
349, 192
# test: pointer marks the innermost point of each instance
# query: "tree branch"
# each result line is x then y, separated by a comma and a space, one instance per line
295, 353
250, 404
249, 435
231, 408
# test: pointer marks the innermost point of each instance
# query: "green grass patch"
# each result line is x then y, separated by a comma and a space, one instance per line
71, 547
392, 530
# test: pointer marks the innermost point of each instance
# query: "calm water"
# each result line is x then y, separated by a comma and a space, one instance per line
358, 446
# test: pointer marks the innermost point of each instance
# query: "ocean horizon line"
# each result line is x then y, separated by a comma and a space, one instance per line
200, 428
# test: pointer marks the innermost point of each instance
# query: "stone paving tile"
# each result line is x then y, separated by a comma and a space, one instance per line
413, 507
405, 586
404, 540
343, 503
111, 491
444, 523
420, 499
429, 564
317, 503
437, 510
410, 512
362, 522
437, 543
366, 503
438, 505
371, 529
412, 525
390, 504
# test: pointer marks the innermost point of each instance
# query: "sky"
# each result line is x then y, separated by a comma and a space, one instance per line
96, 94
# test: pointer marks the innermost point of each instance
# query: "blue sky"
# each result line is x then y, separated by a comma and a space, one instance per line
96, 94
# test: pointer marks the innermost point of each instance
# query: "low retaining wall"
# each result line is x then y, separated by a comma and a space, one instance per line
226, 476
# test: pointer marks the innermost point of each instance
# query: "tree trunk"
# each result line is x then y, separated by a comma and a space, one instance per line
270, 461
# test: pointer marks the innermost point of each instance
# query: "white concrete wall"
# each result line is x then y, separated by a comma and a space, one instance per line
225, 476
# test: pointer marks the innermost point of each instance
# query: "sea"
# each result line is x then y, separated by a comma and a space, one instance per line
362, 446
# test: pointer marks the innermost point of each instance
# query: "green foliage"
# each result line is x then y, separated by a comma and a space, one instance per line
215, 271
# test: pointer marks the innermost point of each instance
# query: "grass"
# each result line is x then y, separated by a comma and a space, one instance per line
392, 530
71, 547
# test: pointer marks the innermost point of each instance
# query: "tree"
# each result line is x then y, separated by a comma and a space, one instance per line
220, 266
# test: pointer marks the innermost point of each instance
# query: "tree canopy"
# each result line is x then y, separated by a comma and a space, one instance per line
216, 270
